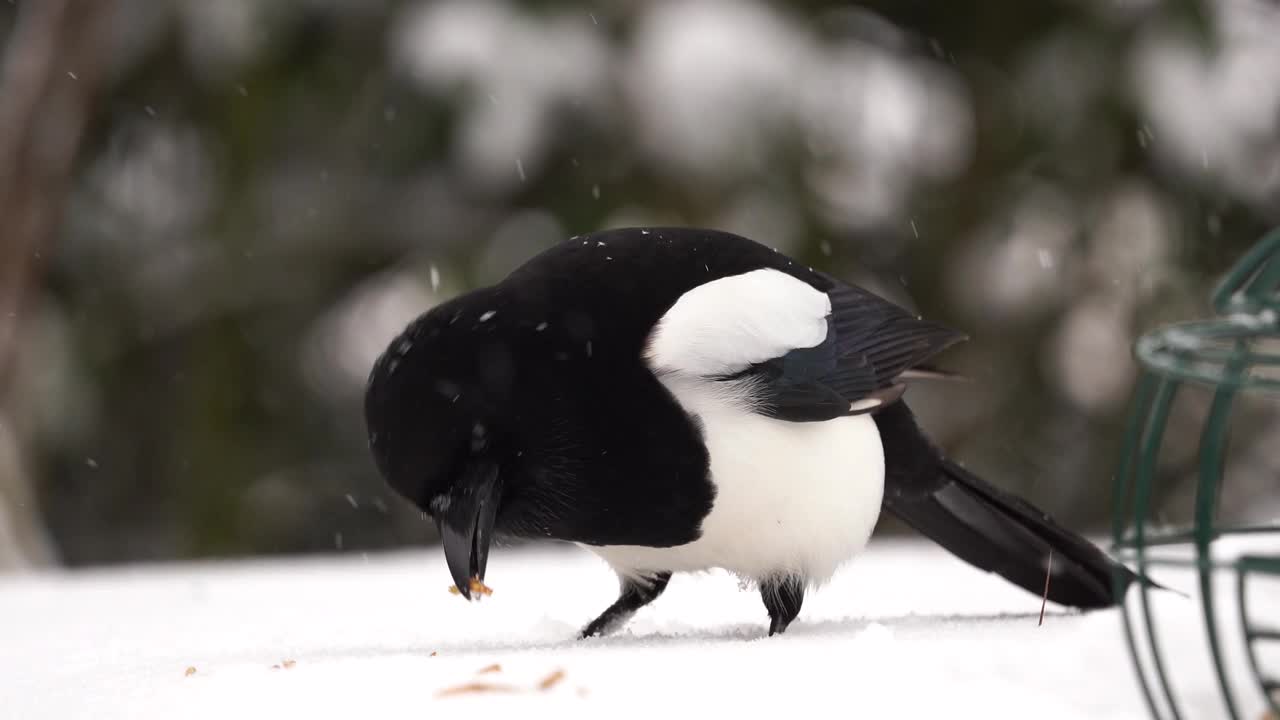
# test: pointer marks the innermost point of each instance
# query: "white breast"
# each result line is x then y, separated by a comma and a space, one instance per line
790, 497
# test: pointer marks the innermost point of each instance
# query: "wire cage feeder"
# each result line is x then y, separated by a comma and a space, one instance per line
1236, 352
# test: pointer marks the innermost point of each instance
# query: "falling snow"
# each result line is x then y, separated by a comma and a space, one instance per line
1045, 257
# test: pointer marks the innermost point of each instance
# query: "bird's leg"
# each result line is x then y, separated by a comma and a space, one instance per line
783, 595
636, 593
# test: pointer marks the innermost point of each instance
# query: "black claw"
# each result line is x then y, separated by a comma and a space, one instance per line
600, 625
783, 596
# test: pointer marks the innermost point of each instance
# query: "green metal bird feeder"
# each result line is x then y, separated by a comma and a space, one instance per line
1229, 355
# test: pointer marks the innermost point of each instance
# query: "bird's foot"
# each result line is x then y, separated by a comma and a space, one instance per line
636, 593
783, 595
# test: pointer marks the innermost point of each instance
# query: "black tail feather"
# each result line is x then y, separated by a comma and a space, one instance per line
1001, 533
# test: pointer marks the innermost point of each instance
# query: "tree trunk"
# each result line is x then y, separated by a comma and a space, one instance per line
51, 68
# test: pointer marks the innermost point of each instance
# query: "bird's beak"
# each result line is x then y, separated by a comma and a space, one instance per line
466, 525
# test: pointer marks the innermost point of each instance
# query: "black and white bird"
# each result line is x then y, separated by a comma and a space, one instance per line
679, 400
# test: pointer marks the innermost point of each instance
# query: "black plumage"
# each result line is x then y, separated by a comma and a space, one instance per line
528, 409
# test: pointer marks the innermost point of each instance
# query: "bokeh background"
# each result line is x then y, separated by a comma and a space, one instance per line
214, 214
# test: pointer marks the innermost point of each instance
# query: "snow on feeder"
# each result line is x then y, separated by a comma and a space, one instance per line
1234, 354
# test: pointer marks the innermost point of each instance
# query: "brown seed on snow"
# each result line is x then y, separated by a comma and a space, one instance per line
476, 587
551, 680
474, 687
190, 671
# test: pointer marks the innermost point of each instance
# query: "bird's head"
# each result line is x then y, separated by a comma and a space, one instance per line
434, 415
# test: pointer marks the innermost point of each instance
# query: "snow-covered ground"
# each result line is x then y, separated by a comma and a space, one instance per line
905, 631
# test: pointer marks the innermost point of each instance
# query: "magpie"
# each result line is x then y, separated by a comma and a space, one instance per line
681, 399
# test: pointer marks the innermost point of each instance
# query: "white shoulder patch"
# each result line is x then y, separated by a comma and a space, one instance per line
727, 324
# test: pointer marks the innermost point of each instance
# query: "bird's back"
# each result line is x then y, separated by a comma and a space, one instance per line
608, 448
623, 280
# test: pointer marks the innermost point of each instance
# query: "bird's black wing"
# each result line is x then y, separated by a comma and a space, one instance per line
990, 528
859, 367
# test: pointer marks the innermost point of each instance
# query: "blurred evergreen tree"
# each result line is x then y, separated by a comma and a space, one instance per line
266, 187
